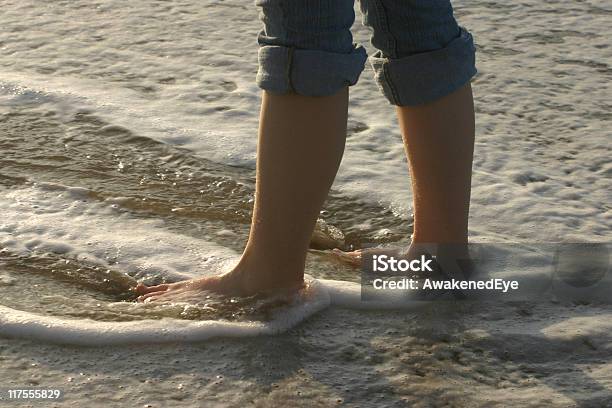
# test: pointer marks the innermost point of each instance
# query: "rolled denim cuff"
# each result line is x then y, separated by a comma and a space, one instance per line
308, 72
425, 77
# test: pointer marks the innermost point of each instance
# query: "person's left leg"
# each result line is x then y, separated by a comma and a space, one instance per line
423, 66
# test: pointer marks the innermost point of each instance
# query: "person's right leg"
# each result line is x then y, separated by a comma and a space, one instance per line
297, 160
307, 62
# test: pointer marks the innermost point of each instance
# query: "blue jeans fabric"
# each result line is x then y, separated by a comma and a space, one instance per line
306, 47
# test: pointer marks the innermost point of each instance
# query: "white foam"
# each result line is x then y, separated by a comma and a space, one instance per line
87, 332
53, 218
210, 105
175, 123
348, 295
49, 217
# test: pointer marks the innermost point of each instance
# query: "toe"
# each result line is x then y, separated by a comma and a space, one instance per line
150, 294
142, 289
352, 258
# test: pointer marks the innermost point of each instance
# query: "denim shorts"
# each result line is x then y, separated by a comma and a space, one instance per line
306, 47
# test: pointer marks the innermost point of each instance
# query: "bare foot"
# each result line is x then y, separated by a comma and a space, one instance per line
172, 291
234, 283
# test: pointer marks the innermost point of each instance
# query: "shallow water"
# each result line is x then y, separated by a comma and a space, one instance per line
98, 154
127, 140
103, 166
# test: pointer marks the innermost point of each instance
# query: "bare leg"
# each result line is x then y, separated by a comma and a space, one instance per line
301, 142
439, 142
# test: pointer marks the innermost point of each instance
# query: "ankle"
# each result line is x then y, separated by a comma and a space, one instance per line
262, 274
439, 238
457, 250
443, 229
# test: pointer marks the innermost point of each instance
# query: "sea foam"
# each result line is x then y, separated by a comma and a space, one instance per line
87, 332
52, 218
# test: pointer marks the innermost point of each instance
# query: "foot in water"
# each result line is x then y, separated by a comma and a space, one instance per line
234, 283
241, 282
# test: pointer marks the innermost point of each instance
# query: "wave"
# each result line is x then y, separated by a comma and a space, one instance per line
87, 332
50, 219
